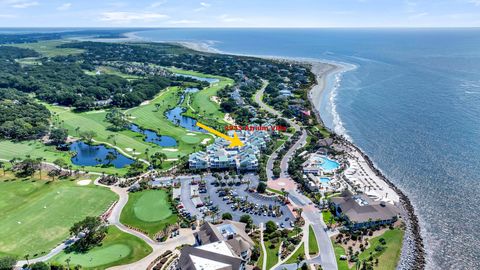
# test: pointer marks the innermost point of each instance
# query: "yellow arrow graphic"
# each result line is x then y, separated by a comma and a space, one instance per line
234, 141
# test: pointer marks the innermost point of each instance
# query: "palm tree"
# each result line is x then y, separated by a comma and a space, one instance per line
68, 262
2, 165
39, 160
26, 258
111, 156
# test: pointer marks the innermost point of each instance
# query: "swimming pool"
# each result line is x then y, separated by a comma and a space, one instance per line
324, 180
328, 164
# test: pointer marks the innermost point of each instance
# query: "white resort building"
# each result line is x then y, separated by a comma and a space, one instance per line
218, 247
219, 156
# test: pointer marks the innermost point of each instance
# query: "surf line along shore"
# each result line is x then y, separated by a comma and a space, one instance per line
413, 252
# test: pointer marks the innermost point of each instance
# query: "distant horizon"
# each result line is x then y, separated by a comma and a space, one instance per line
241, 14
237, 27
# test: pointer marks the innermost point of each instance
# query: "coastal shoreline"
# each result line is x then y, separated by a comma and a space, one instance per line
413, 255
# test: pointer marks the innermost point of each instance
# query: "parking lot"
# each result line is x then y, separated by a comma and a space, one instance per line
233, 195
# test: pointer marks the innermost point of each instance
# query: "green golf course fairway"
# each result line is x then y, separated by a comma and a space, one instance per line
35, 215
36, 149
149, 117
148, 210
116, 249
201, 106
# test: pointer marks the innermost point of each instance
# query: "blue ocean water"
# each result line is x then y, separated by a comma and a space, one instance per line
412, 104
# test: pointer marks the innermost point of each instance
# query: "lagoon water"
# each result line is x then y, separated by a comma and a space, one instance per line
412, 104
93, 155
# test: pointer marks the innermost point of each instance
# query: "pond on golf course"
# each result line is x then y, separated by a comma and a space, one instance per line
92, 155
202, 79
175, 115
153, 137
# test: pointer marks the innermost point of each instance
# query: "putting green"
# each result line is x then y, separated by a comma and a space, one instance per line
116, 249
152, 205
149, 211
35, 216
190, 139
101, 256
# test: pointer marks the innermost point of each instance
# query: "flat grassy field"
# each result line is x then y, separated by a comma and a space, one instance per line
36, 149
117, 248
272, 257
312, 242
388, 258
35, 215
328, 217
201, 105
300, 252
147, 116
148, 210
95, 121
339, 251
112, 71
49, 48
259, 263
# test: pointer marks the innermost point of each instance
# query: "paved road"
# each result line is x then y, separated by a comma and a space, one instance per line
300, 143
313, 216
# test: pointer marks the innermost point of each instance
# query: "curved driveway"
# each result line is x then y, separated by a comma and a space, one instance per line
326, 257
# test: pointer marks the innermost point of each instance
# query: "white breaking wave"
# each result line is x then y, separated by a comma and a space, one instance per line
338, 126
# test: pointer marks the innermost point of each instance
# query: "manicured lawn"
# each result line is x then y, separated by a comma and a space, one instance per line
112, 71
36, 149
272, 257
147, 116
312, 242
275, 191
148, 210
300, 252
48, 48
201, 106
35, 215
117, 248
328, 217
125, 140
278, 143
260, 259
339, 251
388, 258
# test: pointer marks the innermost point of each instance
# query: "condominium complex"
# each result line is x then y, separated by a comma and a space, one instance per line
219, 156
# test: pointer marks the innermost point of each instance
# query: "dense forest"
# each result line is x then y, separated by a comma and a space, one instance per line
62, 80
73, 80
16, 38
237, 67
21, 117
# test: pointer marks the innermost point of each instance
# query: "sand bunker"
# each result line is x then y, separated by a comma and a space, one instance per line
205, 141
92, 112
171, 149
227, 118
129, 149
191, 134
172, 159
215, 99
84, 182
